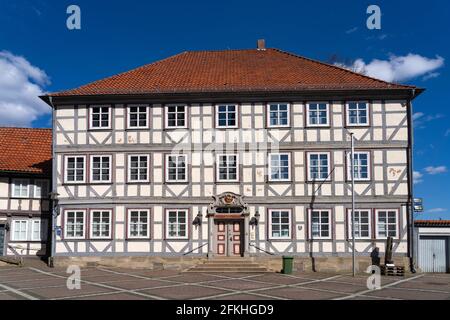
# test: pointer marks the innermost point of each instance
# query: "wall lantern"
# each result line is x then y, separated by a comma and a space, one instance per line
254, 220
198, 219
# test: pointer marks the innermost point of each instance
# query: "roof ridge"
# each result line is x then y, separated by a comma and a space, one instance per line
340, 68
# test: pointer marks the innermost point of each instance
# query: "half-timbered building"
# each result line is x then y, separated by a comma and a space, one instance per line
25, 184
231, 153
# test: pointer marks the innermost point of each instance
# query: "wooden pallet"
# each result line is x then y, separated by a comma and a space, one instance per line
393, 271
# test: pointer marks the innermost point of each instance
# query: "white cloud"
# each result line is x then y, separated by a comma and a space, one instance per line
435, 170
351, 30
418, 115
398, 68
436, 210
21, 84
420, 119
431, 76
417, 177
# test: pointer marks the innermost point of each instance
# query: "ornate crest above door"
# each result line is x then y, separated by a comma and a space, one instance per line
228, 200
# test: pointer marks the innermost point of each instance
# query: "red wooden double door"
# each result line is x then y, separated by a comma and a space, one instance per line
229, 237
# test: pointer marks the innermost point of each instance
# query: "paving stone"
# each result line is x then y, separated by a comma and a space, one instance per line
300, 294
184, 292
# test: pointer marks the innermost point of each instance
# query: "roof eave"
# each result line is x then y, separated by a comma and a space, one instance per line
403, 93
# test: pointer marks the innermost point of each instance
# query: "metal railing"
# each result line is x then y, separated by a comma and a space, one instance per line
185, 254
258, 248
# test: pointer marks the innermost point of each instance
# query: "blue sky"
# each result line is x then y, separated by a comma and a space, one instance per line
119, 35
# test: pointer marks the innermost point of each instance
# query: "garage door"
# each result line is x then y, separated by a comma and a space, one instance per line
2, 238
433, 254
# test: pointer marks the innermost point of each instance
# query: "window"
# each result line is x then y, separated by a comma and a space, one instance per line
320, 224
280, 224
20, 230
362, 224
361, 163
357, 114
101, 169
29, 230
227, 167
176, 168
176, 224
226, 116
318, 115
138, 224
176, 116
100, 117
20, 188
137, 116
138, 168
386, 223
75, 224
75, 169
279, 167
36, 232
278, 115
101, 224
318, 166
41, 189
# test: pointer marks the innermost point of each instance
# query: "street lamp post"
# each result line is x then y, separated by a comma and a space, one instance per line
352, 170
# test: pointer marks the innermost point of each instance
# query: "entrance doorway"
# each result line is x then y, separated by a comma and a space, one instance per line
229, 238
2, 239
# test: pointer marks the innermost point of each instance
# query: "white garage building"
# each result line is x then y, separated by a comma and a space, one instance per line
433, 245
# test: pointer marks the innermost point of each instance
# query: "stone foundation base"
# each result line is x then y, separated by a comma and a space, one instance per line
272, 263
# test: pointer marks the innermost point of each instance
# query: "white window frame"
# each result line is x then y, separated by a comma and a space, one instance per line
91, 223
358, 124
186, 212
330, 224
129, 180
269, 125
45, 183
350, 220
308, 122
166, 116
91, 169
13, 231
269, 159
218, 167
236, 112
289, 211
66, 213
186, 168
91, 118
33, 224
21, 183
350, 167
377, 211
147, 116
308, 167
140, 211
66, 161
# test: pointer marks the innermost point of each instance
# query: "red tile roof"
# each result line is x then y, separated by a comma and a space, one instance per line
432, 223
26, 150
231, 71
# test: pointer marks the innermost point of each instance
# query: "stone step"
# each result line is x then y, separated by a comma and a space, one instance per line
229, 269
230, 262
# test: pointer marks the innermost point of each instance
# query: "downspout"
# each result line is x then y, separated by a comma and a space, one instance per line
411, 237
54, 189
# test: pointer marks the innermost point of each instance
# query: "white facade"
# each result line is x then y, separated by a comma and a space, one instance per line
300, 210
